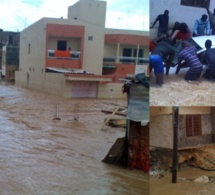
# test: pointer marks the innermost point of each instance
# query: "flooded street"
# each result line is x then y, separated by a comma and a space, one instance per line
185, 183
39, 155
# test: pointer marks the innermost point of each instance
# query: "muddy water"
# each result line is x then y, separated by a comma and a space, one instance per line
39, 155
185, 183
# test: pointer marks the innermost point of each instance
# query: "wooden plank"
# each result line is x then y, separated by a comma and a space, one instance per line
117, 122
117, 113
107, 119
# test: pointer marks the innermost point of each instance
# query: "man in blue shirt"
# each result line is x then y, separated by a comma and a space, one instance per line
201, 26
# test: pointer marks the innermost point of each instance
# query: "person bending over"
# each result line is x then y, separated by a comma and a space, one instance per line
188, 54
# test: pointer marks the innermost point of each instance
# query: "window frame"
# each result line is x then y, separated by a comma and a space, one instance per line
193, 125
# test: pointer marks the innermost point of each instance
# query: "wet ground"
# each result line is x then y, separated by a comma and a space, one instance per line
39, 155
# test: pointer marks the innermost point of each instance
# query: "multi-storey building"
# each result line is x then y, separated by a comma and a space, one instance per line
78, 56
9, 54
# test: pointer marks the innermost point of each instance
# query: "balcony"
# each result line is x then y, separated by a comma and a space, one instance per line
69, 55
63, 59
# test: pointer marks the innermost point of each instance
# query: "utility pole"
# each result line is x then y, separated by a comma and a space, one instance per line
175, 144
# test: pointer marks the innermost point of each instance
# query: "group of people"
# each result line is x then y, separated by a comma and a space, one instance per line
162, 47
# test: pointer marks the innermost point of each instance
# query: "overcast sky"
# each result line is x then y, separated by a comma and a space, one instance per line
15, 15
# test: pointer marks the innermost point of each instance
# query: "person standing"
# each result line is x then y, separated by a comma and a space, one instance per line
208, 57
212, 20
163, 52
188, 54
163, 20
201, 26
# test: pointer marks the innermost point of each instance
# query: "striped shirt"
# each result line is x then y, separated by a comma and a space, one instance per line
188, 54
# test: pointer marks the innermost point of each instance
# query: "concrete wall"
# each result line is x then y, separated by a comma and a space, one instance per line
110, 90
93, 49
32, 55
110, 50
161, 131
176, 13
55, 84
89, 11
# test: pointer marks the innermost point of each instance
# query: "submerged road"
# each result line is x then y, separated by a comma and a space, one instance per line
39, 155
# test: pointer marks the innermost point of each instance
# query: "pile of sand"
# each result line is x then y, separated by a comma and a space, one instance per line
200, 157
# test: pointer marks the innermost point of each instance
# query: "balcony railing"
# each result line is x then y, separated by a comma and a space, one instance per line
109, 59
64, 54
126, 60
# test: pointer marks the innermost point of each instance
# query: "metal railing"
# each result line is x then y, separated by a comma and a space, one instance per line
126, 60
73, 55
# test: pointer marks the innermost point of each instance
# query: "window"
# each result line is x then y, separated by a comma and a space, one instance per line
90, 38
10, 39
61, 45
196, 3
29, 48
127, 52
193, 125
140, 54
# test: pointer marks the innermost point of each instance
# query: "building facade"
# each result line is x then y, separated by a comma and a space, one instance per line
195, 126
10, 62
9, 54
78, 57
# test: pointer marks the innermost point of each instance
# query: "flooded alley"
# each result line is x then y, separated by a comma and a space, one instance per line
39, 155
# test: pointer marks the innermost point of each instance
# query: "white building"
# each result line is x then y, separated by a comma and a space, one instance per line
179, 10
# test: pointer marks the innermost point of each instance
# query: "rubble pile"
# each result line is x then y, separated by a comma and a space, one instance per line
202, 157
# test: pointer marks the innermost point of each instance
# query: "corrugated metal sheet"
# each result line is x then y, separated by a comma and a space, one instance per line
138, 104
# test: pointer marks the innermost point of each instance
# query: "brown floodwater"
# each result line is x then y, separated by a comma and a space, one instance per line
185, 183
39, 155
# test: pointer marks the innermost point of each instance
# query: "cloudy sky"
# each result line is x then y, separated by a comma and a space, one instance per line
15, 15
